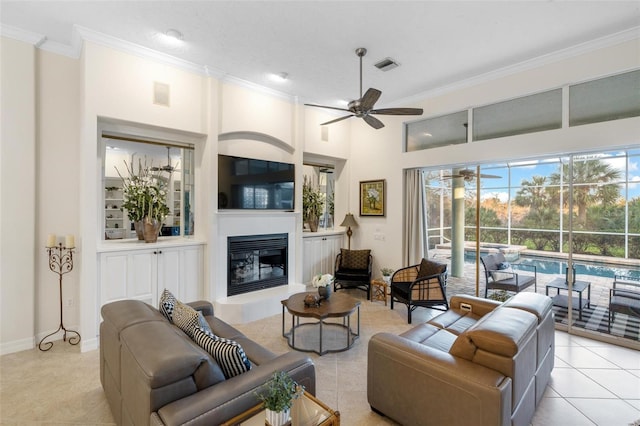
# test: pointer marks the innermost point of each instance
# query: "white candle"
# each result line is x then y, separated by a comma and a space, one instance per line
70, 241
51, 240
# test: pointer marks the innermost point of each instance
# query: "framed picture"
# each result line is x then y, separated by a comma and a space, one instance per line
372, 197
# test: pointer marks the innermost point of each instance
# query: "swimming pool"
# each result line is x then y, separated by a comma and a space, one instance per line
556, 266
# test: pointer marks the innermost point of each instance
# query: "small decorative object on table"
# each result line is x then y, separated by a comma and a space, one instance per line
323, 284
386, 274
312, 300
278, 398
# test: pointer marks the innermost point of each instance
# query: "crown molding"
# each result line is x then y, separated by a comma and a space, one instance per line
22, 35
135, 49
559, 55
258, 88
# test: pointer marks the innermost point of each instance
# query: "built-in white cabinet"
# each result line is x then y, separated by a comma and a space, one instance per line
319, 253
143, 273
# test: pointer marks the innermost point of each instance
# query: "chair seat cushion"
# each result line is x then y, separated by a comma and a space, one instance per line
352, 274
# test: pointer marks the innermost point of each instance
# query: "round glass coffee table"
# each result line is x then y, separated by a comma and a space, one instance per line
331, 336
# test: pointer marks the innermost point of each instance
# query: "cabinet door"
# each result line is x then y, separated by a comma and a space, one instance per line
128, 275
330, 249
312, 258
142, 277
169, 271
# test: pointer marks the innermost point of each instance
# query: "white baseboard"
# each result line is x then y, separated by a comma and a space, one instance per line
17, 346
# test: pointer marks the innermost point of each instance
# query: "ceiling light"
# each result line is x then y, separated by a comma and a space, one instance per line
280, 77
174, 34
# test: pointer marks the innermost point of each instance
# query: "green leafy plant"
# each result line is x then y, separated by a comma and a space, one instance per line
386, 272
312, 201
145, 193
280, 391
500, 296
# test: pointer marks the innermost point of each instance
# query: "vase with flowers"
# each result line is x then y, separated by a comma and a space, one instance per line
323, 283
145, 200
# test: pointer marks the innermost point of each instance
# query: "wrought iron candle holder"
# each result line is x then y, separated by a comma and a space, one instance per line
60, 262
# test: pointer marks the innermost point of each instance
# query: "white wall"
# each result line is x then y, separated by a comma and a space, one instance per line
378, 154
17, 195
57, 203
119, 86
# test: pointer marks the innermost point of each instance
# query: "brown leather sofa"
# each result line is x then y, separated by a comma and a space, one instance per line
153, 373
480, 363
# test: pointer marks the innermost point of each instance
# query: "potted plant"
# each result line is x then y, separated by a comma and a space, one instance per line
278, 396
145, 199
312, 204
386, 274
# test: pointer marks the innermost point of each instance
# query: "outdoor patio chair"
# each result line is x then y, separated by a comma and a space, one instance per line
422, 285
624, 297
500, 275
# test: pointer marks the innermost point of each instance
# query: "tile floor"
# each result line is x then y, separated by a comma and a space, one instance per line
593, 383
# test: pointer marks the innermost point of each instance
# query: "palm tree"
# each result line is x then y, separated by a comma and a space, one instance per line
591, 184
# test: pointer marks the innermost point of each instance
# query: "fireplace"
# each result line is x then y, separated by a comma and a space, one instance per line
256, 262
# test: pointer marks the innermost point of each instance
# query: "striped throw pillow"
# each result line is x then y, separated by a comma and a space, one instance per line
228, 354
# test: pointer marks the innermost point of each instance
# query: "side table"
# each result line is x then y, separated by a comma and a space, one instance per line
379, 290
306, 410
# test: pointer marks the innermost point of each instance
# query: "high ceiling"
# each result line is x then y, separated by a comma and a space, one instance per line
435, 43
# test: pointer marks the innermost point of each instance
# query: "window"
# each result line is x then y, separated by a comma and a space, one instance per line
435, 132
528, 114
170, 163
610, 98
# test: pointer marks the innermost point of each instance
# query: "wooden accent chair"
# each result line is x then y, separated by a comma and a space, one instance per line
353, 270
500, 277
421, 285
624, 297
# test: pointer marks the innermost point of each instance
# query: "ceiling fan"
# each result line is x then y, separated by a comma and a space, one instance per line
166, 168
468, 175
363, 107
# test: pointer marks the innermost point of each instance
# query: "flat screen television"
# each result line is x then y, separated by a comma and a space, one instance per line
249, 183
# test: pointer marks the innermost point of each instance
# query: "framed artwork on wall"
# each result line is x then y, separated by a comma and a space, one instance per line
372, 197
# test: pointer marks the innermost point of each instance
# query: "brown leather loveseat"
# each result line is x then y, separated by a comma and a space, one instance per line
153, 373
479, 363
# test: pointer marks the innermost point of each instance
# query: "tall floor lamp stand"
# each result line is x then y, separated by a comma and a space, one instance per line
60, 262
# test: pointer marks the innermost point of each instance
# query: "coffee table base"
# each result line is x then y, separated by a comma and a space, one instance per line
349, 338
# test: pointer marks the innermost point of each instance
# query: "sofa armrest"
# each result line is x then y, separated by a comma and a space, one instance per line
479, 305
203, 306
451, 388
225, 400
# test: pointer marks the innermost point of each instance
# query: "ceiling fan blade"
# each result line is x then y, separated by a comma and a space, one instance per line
373, 122
337, 119
397, 111
330, 107
370, 97
489, 176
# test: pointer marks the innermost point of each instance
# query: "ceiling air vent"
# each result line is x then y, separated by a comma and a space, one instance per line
386, 64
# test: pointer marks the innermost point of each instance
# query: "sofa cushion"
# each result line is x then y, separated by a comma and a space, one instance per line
502, 332
188, 319
228, 354
355, 259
